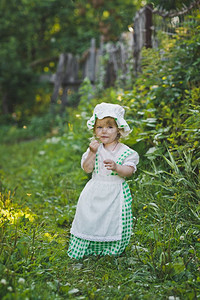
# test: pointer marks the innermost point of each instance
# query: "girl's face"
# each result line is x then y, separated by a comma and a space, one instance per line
106, 130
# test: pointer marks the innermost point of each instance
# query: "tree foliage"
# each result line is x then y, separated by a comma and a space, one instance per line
33, 34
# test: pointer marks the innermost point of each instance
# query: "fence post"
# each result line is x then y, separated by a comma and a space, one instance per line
91, 62
142, 33
70, 78
139, 28
58, 80
148, 26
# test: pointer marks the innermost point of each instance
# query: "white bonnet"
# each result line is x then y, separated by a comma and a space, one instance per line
110, 110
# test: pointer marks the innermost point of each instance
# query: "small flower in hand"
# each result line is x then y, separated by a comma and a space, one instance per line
94, 145
110, 164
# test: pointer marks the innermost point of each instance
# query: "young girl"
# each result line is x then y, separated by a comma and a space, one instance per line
103, 219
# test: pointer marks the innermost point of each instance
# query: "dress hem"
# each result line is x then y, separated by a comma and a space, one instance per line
98, 239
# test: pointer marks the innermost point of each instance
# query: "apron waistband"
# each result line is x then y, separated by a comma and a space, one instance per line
108, 178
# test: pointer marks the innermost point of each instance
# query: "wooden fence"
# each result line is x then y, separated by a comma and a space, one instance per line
71, 70
120, 57
148, 21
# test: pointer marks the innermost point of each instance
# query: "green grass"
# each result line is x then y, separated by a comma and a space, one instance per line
40, 184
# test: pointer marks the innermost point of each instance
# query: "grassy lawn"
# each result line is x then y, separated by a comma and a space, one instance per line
40, 184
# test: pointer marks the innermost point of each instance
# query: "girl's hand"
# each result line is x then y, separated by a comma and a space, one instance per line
110, 165
94, 145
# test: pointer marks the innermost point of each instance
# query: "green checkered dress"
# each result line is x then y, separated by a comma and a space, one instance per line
78, 247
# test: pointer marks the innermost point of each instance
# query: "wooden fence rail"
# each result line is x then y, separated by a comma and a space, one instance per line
71, 70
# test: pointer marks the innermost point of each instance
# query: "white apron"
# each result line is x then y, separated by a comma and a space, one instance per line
98, 214
99, 210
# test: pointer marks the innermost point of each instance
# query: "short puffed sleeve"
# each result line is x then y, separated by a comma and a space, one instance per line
84, 156
131, 160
